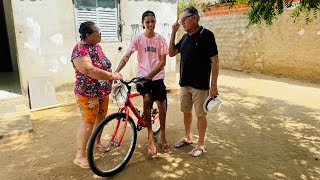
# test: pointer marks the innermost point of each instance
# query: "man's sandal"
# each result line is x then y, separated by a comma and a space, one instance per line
197, 151
182, 142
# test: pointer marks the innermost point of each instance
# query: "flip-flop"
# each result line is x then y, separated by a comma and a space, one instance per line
182, 142
197, 151
81, 164
165, 147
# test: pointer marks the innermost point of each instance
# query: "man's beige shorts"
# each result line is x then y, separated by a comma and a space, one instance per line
190, 96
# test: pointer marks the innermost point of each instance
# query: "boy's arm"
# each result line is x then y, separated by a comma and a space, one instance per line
159, 67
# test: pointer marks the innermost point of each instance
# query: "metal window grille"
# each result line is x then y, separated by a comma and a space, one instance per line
106, 17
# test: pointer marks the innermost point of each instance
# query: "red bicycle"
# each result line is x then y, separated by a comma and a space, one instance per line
119, 132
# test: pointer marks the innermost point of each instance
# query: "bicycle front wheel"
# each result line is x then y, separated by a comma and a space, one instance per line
120, 139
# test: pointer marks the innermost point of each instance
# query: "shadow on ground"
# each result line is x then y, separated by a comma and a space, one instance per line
251, 137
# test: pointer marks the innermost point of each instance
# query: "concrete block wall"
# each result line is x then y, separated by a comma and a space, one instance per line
232, 38
285, 49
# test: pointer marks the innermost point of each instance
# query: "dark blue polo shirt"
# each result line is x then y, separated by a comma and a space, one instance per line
195, 65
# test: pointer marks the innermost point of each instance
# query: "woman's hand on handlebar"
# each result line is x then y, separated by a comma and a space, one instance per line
116, 76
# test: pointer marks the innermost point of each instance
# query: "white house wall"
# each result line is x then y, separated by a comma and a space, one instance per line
45, 35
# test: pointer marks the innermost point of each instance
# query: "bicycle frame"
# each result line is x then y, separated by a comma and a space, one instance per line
141, 120
111, 125
125, 109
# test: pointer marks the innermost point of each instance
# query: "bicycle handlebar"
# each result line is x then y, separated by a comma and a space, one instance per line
136, 80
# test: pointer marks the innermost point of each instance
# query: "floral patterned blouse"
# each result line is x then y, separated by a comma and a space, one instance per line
85, 85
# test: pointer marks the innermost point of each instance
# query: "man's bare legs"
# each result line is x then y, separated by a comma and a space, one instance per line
83, 135
152, 150
202, 127
187, 117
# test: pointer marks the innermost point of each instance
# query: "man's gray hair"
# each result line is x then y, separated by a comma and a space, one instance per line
191, 10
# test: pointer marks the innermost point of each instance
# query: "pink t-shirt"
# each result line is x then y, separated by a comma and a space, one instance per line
149, 51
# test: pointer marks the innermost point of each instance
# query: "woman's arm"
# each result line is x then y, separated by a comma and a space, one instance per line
84, 65
123, 61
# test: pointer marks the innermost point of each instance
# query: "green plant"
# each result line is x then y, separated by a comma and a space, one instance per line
201, 6
241, 2
268, 10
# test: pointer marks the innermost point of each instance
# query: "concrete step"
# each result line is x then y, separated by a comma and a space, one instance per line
14, 117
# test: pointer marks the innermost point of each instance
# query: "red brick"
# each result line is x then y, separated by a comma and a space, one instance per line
225, 12
243, 10
224, 8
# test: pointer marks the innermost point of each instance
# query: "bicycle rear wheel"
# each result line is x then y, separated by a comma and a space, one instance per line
155, 118
119, 152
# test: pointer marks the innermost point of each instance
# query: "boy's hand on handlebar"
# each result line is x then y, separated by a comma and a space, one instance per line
145, 79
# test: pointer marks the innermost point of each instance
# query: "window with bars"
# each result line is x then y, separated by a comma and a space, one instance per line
105, 13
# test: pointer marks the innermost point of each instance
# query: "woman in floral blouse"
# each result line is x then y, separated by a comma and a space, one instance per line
92, 86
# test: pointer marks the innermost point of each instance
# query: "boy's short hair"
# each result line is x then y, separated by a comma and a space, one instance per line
147, 13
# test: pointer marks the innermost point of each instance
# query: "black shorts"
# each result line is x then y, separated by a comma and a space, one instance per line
156, 88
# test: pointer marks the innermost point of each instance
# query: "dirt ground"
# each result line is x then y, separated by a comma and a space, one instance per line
267, 128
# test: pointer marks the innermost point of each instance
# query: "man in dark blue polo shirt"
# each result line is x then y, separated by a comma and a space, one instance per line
199, 60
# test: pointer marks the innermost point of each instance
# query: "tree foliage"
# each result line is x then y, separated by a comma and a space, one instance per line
263, 10
201, 6
268, 10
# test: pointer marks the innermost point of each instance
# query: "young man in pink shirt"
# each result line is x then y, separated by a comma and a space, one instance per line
152, 49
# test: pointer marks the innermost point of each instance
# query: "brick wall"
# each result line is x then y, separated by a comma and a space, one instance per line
285, 49
224, 9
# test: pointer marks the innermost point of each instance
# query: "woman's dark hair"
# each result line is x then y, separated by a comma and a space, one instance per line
85, 28
147, 13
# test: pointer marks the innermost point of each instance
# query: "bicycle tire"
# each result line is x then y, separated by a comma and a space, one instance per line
112, 154
156, 122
